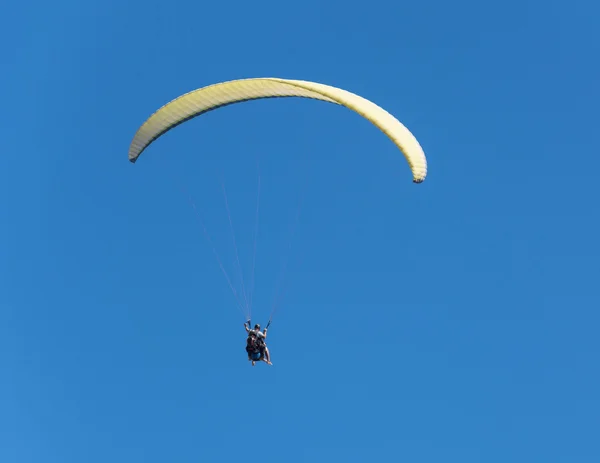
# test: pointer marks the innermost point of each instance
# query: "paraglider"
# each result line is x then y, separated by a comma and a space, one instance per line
205, 99
215, 96
256, 345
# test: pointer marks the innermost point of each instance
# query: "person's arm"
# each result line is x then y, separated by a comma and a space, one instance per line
247, 327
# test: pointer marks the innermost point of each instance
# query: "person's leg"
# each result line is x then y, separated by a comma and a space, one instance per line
267, 356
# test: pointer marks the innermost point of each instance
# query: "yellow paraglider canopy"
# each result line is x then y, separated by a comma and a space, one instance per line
212, 97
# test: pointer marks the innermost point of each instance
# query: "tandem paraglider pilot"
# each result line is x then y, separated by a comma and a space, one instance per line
256, 345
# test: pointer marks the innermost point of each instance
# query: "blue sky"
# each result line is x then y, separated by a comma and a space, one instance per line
453, 321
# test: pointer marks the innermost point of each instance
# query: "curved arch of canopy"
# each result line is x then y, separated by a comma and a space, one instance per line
208, 98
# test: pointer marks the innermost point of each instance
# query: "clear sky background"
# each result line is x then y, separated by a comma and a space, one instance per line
455, 321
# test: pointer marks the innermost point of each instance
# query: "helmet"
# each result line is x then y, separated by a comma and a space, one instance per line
257, 327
